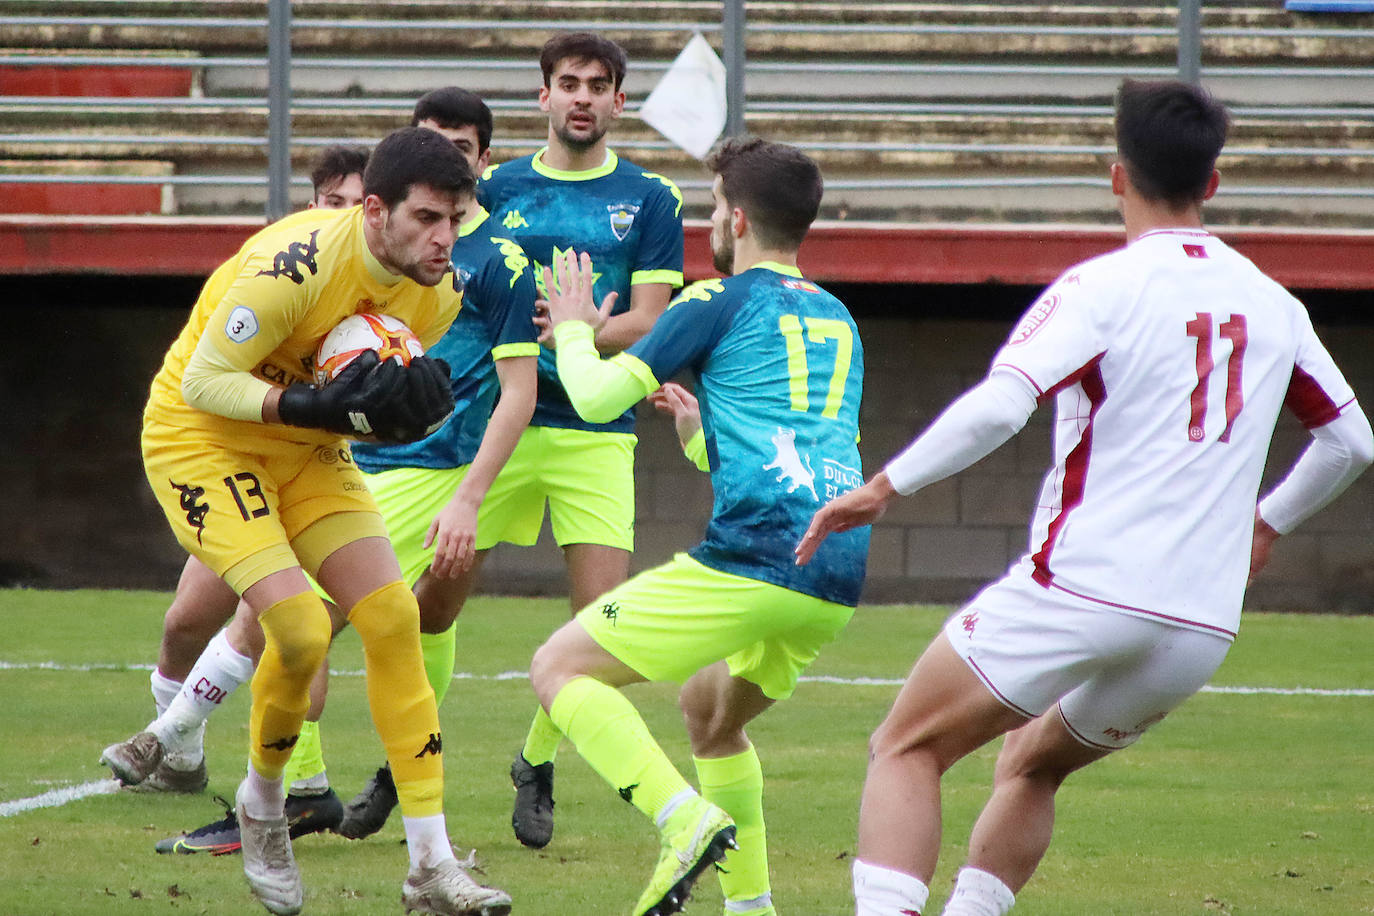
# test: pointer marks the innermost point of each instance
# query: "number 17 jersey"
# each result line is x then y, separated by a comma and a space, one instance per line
1168, 361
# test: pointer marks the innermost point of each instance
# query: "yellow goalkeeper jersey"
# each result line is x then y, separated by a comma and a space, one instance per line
264, 311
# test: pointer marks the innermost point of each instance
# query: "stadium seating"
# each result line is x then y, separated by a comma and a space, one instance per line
917, 112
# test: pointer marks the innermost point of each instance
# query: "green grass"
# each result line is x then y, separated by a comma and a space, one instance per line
1239, 804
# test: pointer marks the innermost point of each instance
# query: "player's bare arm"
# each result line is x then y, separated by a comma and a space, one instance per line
861, 506
647, 302
453, 533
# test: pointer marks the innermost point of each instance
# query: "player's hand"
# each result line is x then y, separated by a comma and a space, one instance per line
570, 295
453, 534
382, 400
861, 506
422, 405
1260, 546
682, 405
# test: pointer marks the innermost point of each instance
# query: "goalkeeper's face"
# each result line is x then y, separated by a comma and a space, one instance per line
415, 237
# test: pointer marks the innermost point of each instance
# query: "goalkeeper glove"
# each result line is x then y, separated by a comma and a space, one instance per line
388, 401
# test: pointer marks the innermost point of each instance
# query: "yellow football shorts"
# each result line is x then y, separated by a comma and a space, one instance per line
586, 478
249, 505
671, 621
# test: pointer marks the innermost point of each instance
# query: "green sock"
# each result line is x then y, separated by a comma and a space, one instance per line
307, 757
541, 744
439, 651
613, 739
736, 785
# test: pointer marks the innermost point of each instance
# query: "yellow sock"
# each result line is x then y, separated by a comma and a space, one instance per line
439, 651
736, 784
541, 744
307, 757
613, 739
401, 701
297, 639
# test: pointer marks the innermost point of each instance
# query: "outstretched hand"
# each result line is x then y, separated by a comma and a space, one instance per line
568, 286
861, 506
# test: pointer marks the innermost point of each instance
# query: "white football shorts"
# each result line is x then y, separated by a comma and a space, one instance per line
1114, 675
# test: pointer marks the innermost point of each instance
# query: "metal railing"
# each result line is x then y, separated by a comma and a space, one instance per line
280, 65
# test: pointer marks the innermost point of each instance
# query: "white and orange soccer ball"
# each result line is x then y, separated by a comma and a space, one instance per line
356, 334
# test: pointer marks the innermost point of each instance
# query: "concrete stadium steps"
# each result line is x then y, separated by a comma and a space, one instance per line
882, 93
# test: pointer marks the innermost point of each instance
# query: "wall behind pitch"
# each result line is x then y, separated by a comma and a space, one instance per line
78, 512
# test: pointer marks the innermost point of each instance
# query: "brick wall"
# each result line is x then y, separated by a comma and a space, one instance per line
76, 510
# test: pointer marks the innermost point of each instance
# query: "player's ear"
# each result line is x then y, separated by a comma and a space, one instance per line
374, 211
619, 107
1118, 179
544, 99
739, 222
1212, 185
483, 161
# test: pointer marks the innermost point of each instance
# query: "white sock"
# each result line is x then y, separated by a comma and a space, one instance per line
164, 689
216, 674
880, 891
979, 893
427, 841
263, 799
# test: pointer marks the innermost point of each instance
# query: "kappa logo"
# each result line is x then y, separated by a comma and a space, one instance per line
789, 463
611, 611
435, 746
622, 218
969, 621
513, 220
281, 744
194, 509
288, 263
628, 792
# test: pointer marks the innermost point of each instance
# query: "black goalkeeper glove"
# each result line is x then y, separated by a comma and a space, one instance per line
387, 401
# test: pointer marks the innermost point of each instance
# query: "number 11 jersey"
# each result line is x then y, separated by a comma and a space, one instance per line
1168, 361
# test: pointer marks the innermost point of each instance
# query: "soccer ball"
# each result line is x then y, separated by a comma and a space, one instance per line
386, 334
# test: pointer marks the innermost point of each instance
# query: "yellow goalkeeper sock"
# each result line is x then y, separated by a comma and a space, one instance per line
297, 638
401, 701
735, 784
613, 739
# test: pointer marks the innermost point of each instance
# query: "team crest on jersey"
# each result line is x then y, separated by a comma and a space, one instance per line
288, 263
792, 468
1038, 316
622, 218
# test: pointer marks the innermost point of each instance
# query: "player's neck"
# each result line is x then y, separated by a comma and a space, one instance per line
1143, 216
749, 254
562, 158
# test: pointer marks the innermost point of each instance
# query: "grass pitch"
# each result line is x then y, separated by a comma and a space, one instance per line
1239, 803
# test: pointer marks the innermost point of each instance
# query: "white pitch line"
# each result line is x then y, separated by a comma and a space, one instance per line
813, 679
58, 797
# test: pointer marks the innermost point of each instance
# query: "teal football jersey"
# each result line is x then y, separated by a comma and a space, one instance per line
779, 370
629, 221
497, 319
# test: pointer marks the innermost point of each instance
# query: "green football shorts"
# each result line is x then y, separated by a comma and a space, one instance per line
409, 499
669, 622
586, 478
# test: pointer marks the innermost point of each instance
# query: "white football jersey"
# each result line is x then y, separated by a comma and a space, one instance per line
1168, 361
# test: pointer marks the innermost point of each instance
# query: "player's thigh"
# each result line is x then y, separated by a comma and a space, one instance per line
593, 570
589, 480
221, 496
1117, 705
513, 509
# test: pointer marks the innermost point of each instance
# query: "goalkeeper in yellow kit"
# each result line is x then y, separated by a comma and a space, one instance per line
250, 465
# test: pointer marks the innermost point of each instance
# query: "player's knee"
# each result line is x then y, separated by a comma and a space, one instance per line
388, 613
298, 630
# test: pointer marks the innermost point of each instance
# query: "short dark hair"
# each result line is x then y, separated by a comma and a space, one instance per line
1169, 135
335, 163
777, 186
583, 46
416, 155
452, 107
